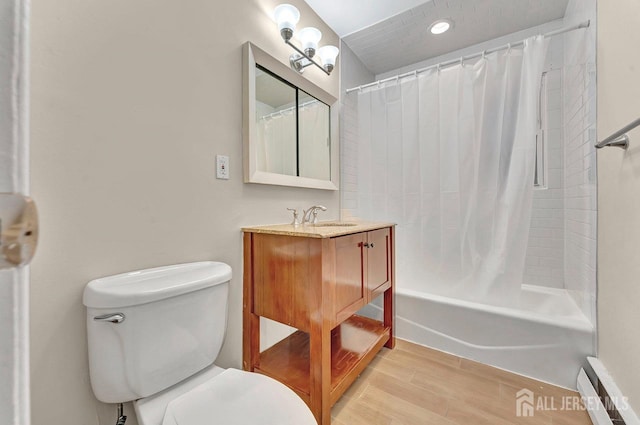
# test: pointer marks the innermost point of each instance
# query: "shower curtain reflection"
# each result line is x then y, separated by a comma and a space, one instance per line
295, 148
277, 144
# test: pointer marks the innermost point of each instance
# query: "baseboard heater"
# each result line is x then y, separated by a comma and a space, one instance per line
603, 399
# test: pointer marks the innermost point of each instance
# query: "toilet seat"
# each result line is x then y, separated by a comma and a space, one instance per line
227, 397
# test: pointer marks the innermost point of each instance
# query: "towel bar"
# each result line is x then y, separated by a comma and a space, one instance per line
619, 139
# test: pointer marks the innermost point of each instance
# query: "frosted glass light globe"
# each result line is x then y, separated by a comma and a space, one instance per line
328, 55
309, 37
287, 17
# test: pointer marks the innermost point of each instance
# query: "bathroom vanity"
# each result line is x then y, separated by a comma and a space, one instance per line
315, 278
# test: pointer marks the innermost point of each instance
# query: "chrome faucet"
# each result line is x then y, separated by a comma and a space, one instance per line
311, 215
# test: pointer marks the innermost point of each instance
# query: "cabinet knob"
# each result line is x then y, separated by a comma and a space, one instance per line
368, 245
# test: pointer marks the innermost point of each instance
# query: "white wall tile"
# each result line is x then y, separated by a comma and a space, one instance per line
579, 171
545, 248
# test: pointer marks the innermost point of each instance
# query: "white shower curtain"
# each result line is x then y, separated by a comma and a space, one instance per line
279, 150
277, 141
449, 156
314, 151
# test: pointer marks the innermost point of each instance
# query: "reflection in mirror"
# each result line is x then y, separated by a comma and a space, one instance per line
276, 125
314, 144
293, 134
290, 126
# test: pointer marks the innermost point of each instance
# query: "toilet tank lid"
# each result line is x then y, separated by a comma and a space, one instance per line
144, 286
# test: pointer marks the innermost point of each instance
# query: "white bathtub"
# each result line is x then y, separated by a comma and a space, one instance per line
547, 338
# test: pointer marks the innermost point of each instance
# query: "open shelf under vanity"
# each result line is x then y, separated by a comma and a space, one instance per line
354, 343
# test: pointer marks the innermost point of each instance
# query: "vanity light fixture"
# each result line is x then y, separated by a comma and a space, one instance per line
287, 17
440, 26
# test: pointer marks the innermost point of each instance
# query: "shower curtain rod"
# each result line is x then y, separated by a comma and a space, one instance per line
464, 58
275, 114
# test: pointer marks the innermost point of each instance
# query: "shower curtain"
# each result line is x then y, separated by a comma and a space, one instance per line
314, 148
281, 151
449, 156
276, 140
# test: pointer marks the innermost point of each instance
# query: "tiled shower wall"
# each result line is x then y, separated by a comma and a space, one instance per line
544, 264
353, 73
562, 243
349, 155
579, 93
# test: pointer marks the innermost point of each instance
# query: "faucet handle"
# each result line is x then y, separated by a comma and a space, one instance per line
295, 221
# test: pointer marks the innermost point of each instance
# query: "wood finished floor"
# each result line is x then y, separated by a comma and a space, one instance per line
415, 385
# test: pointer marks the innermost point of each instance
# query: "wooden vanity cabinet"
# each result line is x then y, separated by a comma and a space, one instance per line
317, 284
363, 270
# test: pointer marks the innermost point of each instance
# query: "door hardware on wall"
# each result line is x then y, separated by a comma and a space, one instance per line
18, 230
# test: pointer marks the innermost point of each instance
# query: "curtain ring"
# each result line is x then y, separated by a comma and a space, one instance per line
438, 68
484, 54
509, 48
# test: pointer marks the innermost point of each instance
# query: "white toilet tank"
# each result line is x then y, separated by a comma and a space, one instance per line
152, 328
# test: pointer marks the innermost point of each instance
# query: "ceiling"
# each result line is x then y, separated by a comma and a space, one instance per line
348, 16
273, 92
390, 34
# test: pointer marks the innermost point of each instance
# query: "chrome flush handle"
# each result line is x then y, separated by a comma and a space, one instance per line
111, 318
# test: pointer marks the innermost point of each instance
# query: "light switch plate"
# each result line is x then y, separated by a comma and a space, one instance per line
222, 167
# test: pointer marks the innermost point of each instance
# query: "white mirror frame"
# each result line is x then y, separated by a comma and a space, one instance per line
253, 55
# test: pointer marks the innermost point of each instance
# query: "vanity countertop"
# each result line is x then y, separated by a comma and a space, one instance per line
323, 229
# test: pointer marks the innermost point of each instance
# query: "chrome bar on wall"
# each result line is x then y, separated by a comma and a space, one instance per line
619, 139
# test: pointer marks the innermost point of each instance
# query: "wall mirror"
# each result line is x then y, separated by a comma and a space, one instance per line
289, 125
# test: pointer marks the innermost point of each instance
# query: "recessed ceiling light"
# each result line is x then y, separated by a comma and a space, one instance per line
440, 26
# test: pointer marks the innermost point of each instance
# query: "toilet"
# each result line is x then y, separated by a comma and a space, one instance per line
153, 336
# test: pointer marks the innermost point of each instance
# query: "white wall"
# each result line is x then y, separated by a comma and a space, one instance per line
354, 72
618, 201
131, 103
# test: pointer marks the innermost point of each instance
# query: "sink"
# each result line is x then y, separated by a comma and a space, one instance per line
335, 224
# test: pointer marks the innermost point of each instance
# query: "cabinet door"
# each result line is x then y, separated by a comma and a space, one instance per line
350, 293
378, 262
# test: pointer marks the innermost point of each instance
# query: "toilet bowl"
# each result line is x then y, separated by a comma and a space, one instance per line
153, 336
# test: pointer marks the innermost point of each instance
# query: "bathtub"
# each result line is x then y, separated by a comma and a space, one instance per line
548, 338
